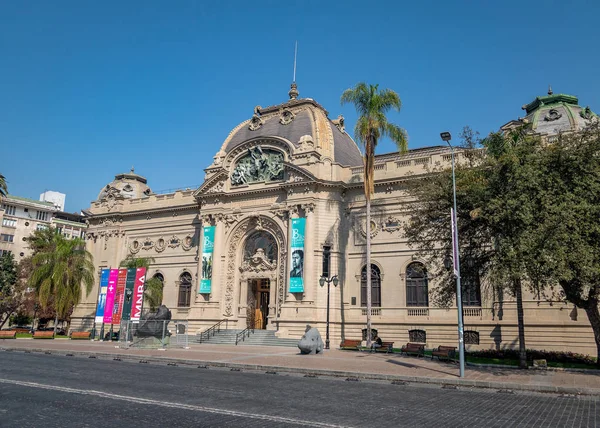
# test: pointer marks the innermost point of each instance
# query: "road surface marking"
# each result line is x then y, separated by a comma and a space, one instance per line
140, 400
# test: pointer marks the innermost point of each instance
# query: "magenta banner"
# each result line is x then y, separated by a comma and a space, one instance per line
110, 295
138, 293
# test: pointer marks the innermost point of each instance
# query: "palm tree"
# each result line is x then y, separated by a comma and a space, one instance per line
3, 187
60, 267
372, 105
153, 287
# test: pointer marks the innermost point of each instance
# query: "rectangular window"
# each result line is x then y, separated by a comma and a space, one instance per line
326, 260
2, 252
41, 227
471, 290
416, 292
7, 238
9, 222
41, 215
185, 294
9, 209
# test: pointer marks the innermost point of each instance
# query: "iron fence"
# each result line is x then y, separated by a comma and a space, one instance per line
154, 334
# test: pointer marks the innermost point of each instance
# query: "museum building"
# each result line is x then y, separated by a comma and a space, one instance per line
281, 204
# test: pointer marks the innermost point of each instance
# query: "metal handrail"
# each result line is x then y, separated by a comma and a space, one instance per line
241, 336
211, 331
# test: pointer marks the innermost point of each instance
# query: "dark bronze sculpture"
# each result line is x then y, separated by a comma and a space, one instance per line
154, 324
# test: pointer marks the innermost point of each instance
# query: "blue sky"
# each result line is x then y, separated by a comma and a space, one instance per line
89, 89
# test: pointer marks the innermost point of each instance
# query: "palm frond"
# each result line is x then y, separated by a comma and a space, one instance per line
398, 136
3, 187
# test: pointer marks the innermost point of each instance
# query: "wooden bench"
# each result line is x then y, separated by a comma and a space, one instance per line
417, 349
447, 352
387, 347
43, 335
350, 344
8, 334
80, 335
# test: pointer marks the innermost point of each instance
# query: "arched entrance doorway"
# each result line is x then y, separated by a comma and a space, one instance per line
259, 269
255, 252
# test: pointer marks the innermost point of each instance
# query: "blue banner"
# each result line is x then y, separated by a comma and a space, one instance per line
102, 295
297, 256
208, 246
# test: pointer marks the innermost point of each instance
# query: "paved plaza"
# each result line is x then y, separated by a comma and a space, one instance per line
375, 366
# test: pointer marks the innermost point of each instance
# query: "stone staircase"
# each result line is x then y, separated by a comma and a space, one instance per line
258, 338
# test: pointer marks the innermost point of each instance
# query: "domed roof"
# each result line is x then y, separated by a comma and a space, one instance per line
556, 113
297, 121
128, 185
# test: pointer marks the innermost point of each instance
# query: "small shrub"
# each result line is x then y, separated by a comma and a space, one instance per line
535, 354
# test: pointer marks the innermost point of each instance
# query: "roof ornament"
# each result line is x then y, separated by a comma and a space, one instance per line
339, 123
293, 91
132, 170
550, 90
256, 121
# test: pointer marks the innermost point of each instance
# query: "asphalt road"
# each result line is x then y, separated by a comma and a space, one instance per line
38, 390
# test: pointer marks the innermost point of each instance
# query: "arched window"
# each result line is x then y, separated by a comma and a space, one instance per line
160, 277
416, 285
375, 286
185, 290
261, 240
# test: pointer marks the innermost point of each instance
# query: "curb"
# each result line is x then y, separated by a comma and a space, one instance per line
334, 373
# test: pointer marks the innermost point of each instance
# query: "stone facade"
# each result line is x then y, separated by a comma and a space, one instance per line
305, 165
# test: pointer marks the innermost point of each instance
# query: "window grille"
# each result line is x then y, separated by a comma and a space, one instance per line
417, 336
471, 337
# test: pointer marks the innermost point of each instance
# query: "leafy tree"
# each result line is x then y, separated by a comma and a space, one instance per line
529, 216
41, 240
493, 217
372, 105
9, 292
60, 268
153, 288
566, 240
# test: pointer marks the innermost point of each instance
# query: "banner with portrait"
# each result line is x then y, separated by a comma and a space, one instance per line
297, 255
208, 246
102, 295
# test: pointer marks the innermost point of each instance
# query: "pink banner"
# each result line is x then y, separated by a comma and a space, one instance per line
138, 294
119, 296
110, 295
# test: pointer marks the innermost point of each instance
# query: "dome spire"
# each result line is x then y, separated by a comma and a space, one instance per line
293, 93
550, 90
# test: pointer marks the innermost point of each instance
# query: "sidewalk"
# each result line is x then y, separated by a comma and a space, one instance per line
334, 362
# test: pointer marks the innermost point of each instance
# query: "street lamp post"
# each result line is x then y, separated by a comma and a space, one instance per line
322, 282
461, 349
36, 306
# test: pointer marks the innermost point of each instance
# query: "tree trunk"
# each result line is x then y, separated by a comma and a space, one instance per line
55, 323
521, 324
368, 230
594, 317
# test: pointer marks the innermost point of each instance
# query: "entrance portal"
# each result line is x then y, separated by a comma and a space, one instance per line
260, 290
